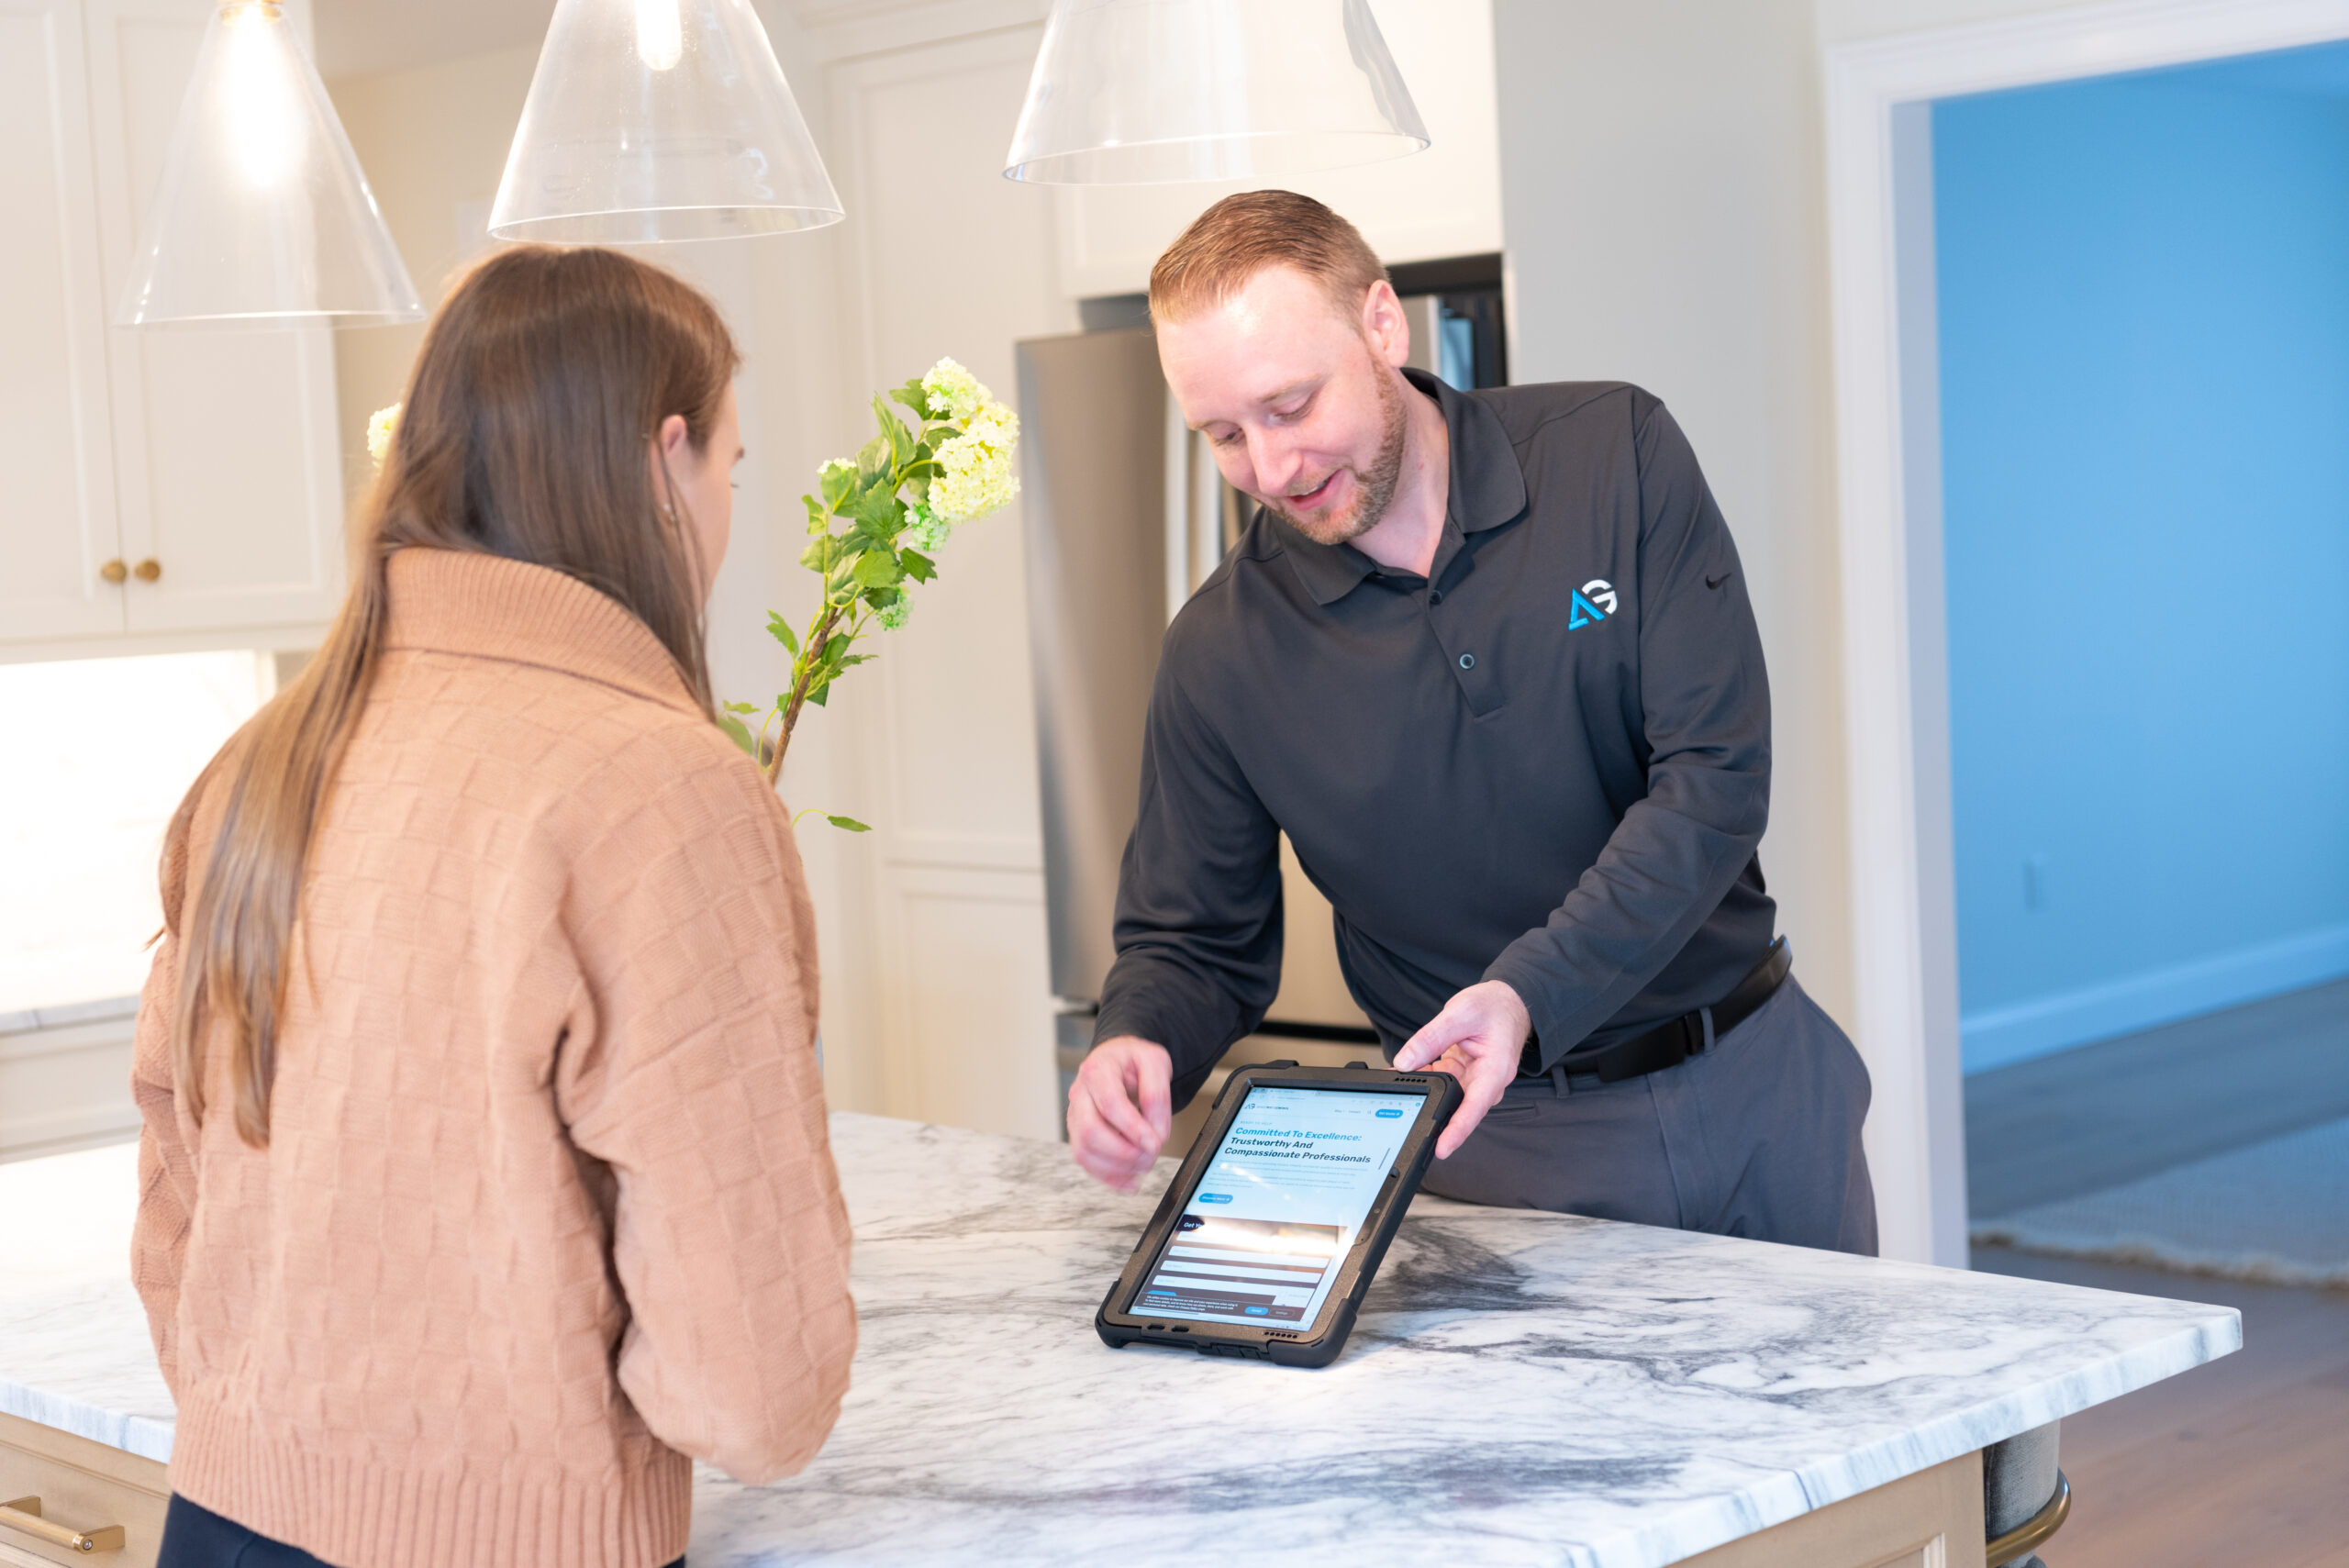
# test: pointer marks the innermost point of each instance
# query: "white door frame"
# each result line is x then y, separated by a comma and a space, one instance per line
1879, 190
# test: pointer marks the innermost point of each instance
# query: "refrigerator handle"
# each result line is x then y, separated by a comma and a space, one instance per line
1178, 508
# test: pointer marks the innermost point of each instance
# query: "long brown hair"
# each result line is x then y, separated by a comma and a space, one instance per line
525, 433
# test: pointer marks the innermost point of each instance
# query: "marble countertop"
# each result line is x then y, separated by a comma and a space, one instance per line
1520, 1387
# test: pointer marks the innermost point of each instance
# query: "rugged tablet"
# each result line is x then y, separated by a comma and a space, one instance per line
1270, 1231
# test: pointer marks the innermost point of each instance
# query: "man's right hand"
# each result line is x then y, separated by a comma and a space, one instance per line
1120, 1109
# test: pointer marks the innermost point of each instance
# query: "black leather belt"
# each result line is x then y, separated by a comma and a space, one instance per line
1675, 1040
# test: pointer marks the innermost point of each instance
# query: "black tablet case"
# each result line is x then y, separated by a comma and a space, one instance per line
1284, 1347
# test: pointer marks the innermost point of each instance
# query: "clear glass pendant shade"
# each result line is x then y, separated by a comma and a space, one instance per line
1150, 91
657, 120
263, 217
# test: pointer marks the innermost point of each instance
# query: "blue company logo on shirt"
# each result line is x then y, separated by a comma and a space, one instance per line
1215, 1197
1593, 602
1390, 1111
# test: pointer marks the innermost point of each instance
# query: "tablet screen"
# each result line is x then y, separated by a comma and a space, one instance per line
1276, 1210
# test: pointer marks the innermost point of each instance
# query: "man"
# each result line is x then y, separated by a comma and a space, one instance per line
1487, 659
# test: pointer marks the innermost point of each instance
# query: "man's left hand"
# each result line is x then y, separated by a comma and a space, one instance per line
1477, 1038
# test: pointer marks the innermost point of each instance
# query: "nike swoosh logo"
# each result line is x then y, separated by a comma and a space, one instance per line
1717, 582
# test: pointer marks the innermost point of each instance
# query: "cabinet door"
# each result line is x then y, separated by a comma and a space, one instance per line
226, 455
57, 520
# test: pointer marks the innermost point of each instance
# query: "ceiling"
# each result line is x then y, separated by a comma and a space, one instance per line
356, 37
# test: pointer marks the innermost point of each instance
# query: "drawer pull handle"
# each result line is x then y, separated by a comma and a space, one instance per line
148, 569
113, 572
24, 1514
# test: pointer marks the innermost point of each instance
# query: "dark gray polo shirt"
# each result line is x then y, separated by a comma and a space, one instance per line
1547, 763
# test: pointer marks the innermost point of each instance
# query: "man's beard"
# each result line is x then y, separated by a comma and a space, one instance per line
1375, 486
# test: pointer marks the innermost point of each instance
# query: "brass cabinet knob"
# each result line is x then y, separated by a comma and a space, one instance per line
113, 572
148, 569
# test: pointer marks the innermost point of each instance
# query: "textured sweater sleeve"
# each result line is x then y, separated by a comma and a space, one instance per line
166, 1162
689, 1070
166, 1167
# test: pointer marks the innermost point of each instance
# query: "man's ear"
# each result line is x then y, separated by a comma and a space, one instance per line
1384, 327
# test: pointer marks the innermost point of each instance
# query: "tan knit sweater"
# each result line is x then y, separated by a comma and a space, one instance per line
548, 1204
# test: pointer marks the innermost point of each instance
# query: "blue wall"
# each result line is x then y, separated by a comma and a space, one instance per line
2144, 351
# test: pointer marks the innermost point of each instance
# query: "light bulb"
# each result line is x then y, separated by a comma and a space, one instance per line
265, 118
660, 34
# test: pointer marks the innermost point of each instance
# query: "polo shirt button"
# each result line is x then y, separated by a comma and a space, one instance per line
1467, 660
1435, 598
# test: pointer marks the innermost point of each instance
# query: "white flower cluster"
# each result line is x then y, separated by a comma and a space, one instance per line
925, 529
953, 392
381, 424
978, 476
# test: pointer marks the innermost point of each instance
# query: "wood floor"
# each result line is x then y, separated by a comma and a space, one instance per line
2096, 1116
2242, 1464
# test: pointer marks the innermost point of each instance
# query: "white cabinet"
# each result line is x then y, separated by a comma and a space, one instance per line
57, 507
206, 461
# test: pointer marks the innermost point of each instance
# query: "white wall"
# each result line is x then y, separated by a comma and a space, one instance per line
1661, 176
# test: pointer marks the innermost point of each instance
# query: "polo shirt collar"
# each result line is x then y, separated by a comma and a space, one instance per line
1487, 490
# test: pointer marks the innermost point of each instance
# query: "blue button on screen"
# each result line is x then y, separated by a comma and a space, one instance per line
1259, 1311
1390, 1112
1215, 1197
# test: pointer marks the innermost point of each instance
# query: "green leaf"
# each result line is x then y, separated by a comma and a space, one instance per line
850, 823
878, 569
738, 730
818, 521
914, 397
739, 707
918, 567
878, 513
855, 659
926, 471
836, 646
874, 456
838, 484
780, 630
816, 693
817, 557
901, 440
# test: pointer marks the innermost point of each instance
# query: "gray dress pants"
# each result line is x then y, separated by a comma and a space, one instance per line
1757, 1136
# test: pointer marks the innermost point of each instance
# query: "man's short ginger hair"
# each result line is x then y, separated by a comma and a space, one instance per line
1241, 236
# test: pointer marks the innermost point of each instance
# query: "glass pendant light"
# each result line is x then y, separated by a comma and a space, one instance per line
263, 217
655, 120
1149, 92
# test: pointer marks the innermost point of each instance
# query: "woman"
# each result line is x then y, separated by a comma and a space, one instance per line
485, 1176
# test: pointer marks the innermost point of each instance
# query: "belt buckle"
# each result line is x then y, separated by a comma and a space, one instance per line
1692, 1033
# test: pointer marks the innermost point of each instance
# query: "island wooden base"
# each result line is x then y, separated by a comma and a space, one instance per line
82, 1485
1930, 1520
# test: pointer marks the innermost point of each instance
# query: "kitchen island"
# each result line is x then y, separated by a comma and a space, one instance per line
1520, 1388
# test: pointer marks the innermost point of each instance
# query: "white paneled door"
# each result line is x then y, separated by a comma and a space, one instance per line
57, 520
951, 259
